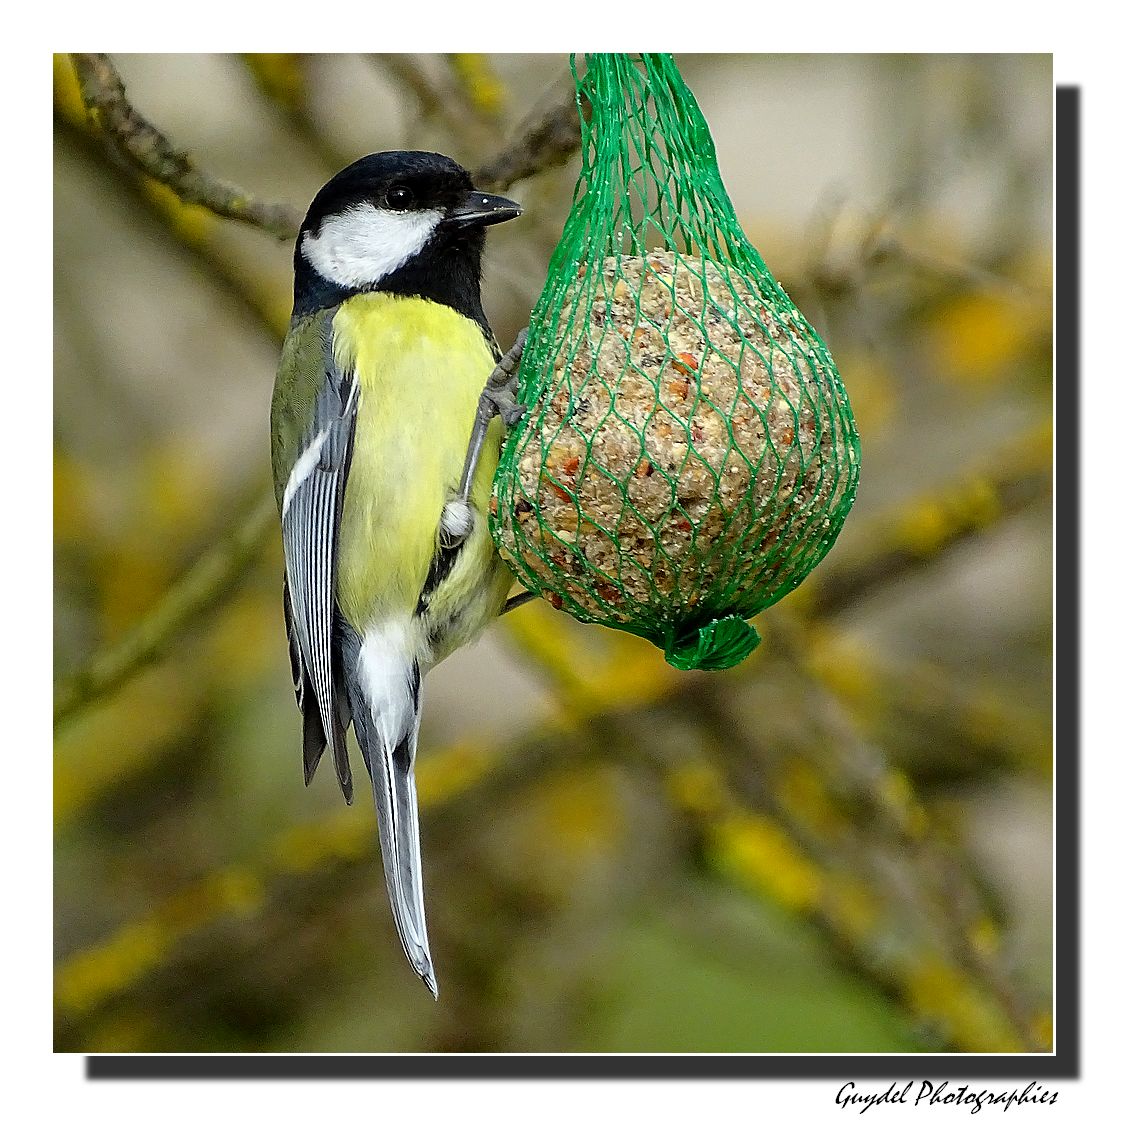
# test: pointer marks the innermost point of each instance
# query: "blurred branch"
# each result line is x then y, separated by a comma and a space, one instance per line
932, 860
152, 153
472, 774
191, 228
764, 850
199, 591
936, 726
283, 79
890, 249
436, 96
548, 136
773, 846
469, 774
956, 513
846, 248
924, 530
796, 844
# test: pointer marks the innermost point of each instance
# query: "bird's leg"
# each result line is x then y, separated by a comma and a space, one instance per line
498, 397
514, 602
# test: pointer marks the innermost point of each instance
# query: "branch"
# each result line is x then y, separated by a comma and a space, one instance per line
924, 529
796, 843
436, 98
547, 137
283, 80
152, 153
474, 775
936, 867
784, 830
199, 590
191, 228
763, 845
765, 850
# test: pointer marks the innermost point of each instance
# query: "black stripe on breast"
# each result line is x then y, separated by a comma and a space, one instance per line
440, 567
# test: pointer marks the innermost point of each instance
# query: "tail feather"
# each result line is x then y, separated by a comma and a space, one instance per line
384, 687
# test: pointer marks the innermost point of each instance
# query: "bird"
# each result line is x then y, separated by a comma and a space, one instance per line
387, 420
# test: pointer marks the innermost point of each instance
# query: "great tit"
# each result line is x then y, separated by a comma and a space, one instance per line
388, 562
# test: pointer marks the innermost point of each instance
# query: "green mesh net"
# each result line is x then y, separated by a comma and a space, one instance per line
690, 454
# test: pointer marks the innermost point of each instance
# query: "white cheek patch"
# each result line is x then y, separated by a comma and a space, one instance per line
363, 244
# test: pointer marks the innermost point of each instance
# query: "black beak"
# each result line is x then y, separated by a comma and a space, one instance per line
483, 209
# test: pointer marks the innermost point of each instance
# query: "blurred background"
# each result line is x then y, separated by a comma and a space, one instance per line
842, 845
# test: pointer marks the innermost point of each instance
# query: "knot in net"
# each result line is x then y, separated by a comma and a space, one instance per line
690, 454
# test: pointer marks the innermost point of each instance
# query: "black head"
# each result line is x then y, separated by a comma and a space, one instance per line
403, 221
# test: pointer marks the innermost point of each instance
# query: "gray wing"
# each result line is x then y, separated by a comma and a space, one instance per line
310, 511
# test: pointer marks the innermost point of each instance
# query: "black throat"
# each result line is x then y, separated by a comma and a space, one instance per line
447, 271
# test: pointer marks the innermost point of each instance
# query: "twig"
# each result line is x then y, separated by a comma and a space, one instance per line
190, 228
436, 98
283, 80
199, 590
890, 249
547, 137
471, 773
924, 529
152, 153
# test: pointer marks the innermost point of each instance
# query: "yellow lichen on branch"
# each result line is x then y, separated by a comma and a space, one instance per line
760, 853
479, 83
206, 583
1001, 485
152, 153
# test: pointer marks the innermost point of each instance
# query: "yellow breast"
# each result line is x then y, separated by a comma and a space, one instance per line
421, 367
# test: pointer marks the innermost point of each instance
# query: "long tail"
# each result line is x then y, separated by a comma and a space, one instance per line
384, 685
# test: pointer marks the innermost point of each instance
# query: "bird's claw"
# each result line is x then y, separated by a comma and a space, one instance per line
500, 393
503, 401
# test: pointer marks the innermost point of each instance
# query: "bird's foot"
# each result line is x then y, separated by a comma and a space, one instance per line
500, 393
498, 398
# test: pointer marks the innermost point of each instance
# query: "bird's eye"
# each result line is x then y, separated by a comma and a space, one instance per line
399, 197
